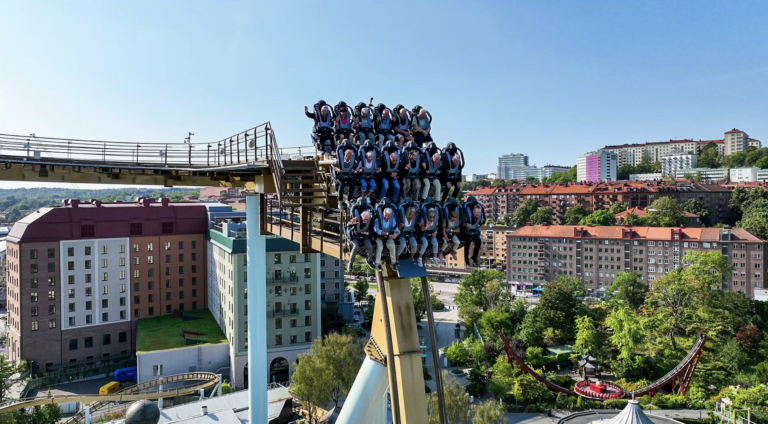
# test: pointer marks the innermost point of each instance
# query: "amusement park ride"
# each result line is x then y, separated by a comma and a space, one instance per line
291, 194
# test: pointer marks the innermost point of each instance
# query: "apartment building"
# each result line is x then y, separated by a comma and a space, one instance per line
735, 141
509, 162
651, 176
540, 253
500, 201
293, 298
703, 174
597, 166
670, 164
80, 275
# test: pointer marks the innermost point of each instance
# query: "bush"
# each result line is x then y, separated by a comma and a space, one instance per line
562, 380
437, 304
457, 353
614, 404
226, 387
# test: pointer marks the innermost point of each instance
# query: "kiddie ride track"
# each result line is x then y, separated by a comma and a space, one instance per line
676, 381
192, 382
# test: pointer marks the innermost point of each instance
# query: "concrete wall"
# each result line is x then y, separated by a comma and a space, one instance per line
205, 358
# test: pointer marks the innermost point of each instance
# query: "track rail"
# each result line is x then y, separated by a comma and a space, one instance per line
679, 377
136, 392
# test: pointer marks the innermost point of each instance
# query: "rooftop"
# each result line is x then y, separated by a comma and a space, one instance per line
230, 408
165, 332
649, 233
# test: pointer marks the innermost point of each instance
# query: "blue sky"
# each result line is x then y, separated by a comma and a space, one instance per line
552, 79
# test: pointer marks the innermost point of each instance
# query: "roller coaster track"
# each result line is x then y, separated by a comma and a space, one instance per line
679, 377
136, 392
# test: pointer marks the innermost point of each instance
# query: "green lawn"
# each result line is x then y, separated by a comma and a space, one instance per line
164, 332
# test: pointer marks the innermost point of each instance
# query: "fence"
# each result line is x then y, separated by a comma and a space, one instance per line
78, 375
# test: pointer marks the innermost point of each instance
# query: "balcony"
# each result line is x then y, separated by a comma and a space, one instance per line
282, 312
285, 280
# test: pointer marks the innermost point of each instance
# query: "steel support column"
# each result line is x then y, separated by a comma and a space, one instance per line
257, 312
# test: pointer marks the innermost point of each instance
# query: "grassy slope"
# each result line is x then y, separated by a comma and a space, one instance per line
164, 332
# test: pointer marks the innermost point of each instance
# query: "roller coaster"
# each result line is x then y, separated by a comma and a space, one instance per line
675, 381
200, 381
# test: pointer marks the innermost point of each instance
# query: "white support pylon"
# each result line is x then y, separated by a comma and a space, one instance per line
257, 312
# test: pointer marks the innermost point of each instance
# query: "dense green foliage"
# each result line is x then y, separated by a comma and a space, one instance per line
644, 167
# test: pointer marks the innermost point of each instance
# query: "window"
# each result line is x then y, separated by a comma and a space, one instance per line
122, 288
151, 285
104, 262
167, 270
88, 305
88, 342
278, 323
51, 281
122, 315
88, 278
71, 294
292, 259
70, 251
151, 298
122, 337
307, 257
151, 272
308, 337
51, 266
278, 275
51, 253
278, 258
87, 250
136, 228
167, 295
88, 264
151, 311
88, 291
150, 247
33, 254
167, 259
181, 270
135, 247
194, 292
51, 295
52, 323
307, 321
278, 339
121, 249
194, 244
307, 272
181, 245
104, 289
104, 249
194, 256
167, 245
278, 291
293, 322
181, 282
181, 294
105, 303
194, 281
307, 305
167, 284
33, 268
167, 228
194, 269
122, 301
293, 339
35, 311
157, 370
34, 326
70, 279
307, 288
33, 282
89, 319
104, 316
121, 276
72, 344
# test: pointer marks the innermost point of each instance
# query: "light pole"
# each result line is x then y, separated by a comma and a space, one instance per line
700, 402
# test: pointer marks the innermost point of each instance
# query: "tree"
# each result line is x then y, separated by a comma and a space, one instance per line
341, 356
709, 157
507, 220
732, 356
697, 208
10, 374
559, 305
493, 321
524, 212
532, 329
528, 389
755, 218
542, 216
361, 289
624, 171
455, 401
489, 412
597, 218
574, 215
617, 207
531, 180
627, 331
633, 220
749, 337
503, 377
497, 294
471, 297
665, 212
587, 336
628, 289
310, 384
457, 353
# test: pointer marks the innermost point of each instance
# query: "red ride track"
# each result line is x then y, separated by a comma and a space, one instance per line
679, 377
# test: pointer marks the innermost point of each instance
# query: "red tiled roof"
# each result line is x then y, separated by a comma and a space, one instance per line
481, 191
734, 131
650, 233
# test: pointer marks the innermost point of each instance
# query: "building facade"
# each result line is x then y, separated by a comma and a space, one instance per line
509, 162
597, 166
79, 280
743, 175
670, 164
653, 176
735, 141
539, 254
704, 174
293, 298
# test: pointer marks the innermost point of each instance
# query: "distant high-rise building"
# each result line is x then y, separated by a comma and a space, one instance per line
670, 164
509, 162
735, 141
596, 167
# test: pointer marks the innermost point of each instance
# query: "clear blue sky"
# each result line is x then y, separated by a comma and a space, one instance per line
552, 79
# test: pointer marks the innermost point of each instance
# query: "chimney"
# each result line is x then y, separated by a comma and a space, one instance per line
74, 203
527, 224
589, 225
203, 410
65, 202
165, 201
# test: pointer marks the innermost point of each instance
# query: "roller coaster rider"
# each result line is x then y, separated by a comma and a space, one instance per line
359, 230
421, 126
402, 125
433, 162
387, 230
364, 124
384, 124
451, 227
430, 229
345, 165
390, 164
453, 163
369, 168
322, 134
412, 169
474, 214
409, 224
344, 120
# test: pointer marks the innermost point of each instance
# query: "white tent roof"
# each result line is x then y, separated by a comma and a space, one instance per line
632, 414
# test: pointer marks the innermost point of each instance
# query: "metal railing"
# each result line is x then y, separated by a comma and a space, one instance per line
245, 147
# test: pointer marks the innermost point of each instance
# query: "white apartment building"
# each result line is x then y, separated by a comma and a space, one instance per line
293, 298
508, 162
596, 166
331, 279
755, 143
95, 286
670, 164
762, 175
735, 141
707, 174
653, 176
744, 175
